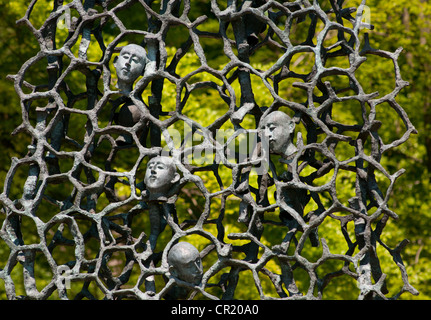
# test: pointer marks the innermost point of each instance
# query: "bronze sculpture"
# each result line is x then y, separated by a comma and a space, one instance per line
108, 197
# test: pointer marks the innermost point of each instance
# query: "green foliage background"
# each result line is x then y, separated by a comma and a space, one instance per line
397, 23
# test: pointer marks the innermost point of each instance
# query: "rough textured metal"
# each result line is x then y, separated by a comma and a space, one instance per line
254, 24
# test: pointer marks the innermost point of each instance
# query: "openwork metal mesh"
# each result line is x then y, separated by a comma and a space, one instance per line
98, 240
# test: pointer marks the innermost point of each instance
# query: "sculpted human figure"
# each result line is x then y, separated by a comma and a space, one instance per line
277, 129
130, 64
185, 263
160, 176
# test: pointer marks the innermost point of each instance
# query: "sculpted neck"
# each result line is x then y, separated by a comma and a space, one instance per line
124, 87
290, 150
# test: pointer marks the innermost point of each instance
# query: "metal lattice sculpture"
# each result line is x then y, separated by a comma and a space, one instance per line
131, 121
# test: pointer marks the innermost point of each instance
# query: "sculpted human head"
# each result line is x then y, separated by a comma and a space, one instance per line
185, 263
129, 65
277, 128
160, 175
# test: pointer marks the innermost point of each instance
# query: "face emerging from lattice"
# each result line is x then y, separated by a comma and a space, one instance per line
160, 175
130, 65
185, 263
277, 129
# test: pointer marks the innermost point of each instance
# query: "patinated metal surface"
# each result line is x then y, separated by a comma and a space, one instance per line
244, 28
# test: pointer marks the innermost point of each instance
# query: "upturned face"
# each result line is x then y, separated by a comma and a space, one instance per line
277, 129
130, 63
159, 175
